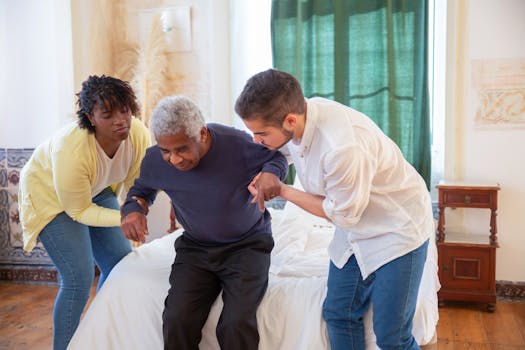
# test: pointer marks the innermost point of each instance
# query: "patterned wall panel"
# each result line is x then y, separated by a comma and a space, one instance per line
15, 263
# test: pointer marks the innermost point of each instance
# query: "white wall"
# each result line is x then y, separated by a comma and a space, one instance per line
484, 30
251, 50
236, 36
37, 91
207, 71
36, 79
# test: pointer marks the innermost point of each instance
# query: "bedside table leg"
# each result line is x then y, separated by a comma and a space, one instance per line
491, 307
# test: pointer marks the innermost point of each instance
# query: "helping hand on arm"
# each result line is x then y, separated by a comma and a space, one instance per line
312, 203
135, 224
264, 187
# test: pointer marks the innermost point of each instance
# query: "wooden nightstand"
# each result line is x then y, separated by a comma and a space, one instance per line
467, 263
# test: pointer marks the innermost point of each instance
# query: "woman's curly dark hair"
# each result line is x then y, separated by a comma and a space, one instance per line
104, 91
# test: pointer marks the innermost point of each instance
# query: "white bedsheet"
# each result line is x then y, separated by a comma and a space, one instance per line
127, 312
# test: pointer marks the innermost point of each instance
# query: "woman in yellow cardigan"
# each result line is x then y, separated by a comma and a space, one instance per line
68, 193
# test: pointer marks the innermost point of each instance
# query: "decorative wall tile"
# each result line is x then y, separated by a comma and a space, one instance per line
13, 177
3, 177
40, 275
3, 168
510, 290
3, 157
18, 157
4, 199
12, 255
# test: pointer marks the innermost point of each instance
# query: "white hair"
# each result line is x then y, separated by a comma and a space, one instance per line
177, 113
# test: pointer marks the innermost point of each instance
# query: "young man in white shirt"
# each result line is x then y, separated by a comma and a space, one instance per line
356, 177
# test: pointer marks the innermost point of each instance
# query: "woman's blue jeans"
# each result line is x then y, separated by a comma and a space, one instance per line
392, 290
74, 249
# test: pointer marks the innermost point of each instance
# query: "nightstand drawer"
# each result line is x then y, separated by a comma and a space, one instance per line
452, 198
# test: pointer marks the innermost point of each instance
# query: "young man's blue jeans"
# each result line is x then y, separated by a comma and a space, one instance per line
74, 249
392, 290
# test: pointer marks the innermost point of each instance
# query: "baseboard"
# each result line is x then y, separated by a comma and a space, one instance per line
510, 290
29, 275
504, 289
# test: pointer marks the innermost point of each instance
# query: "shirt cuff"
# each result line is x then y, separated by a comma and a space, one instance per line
336, 217
275, 170
131, 207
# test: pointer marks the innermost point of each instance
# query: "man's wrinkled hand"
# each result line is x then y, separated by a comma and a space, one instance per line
135, 227
173, 220
267, 186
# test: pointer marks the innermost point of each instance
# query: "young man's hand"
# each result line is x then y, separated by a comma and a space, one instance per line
264, 186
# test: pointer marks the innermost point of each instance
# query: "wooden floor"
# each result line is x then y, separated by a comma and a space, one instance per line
26, 322
26, 316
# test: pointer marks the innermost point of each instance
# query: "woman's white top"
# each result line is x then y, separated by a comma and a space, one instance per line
112, 170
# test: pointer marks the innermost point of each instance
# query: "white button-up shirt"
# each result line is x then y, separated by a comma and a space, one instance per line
378, 202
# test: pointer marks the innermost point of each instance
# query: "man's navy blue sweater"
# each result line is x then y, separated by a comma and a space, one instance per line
211, 201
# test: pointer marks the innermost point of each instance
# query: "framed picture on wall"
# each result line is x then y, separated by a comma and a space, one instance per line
499, 86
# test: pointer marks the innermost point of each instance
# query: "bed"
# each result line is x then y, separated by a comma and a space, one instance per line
127, 311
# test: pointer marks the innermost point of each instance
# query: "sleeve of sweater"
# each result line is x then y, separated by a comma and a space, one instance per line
72, 176
260, 157
276, 165
141, 188
141, 139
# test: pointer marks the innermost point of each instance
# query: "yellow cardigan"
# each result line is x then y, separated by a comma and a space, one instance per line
59, 176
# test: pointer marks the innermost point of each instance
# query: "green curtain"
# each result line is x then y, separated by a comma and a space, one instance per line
367, 54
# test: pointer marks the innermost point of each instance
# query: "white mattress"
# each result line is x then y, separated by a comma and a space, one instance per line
127, 312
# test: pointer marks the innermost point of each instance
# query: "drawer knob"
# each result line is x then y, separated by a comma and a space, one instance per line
468, 199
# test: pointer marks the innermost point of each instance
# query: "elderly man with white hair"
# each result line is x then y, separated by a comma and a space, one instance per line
206, 169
